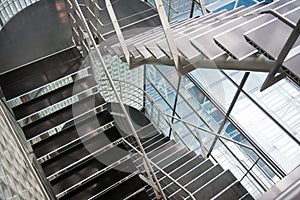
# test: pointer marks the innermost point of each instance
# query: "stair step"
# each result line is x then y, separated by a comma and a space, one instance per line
236, 191
147, 132
215, 186
88, 102
64, 118
157, 144
154, 153
51, 98
73, 133
65, 162
166, 153
106, 137
182, 170
160, 149
151, 131
205, 177
79, 180
179, 162
18, 81
152, 140
45, 89
190, 175
164, 162
197, 182
123, 190
188, 178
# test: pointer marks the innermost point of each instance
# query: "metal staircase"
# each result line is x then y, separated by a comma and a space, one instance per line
71, 162
78, 139
234, 40
86, 157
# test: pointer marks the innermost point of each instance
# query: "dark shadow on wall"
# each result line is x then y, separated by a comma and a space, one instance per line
37, 31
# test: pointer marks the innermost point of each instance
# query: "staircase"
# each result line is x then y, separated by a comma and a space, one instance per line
83, 156
80, 155
234, 40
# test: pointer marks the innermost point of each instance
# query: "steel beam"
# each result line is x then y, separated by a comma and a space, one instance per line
168, 34
272, 78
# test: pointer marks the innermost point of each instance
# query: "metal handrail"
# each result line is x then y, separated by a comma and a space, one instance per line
161, 170
176, 135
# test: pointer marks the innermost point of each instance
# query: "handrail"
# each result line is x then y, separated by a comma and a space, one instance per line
159, 110
189, 123
161, 170
78, 11
190, 106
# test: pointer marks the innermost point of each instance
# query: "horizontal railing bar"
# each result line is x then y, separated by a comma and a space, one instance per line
165, 173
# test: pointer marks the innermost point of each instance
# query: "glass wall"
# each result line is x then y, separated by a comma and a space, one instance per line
203, 101
17, 181
269, 118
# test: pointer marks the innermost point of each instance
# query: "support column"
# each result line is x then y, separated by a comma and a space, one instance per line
234, 100
175, 103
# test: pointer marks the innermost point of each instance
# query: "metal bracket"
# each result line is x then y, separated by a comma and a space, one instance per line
272, 78
168, 33
202, 6
117, 28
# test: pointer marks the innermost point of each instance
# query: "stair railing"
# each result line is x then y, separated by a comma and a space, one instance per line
161, 170
9, 8
159, 119
87, 39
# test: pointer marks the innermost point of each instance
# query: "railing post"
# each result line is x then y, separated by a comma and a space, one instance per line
234, 100
118, 30
201, 144
248, 171
175, 101
202, 6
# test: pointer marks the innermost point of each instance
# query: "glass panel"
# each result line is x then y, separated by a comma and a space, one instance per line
216, 84
16, 179
157, 80
282, 101
266, 133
